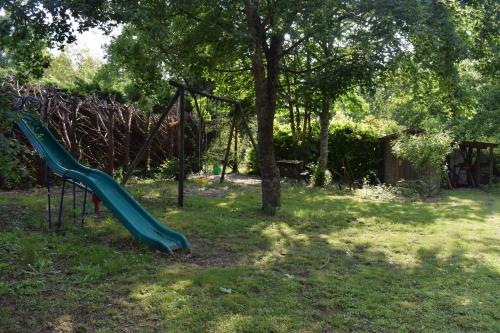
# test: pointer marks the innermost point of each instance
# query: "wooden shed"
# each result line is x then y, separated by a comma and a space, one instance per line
471, 164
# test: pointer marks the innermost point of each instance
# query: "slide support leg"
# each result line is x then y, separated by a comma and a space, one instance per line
61, 203
49, 205
74, 202
84, 204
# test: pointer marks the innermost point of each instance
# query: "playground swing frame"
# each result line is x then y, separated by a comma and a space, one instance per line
238, 117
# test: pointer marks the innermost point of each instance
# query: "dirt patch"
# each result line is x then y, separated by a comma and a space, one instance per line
223, 259
204, 255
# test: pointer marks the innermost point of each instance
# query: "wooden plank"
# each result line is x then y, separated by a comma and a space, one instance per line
111, 142
180, 187
228, 148
490, 179
478, 167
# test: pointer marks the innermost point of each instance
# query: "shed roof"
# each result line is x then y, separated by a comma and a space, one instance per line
477, 144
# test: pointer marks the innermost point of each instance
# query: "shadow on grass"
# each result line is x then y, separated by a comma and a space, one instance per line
307, 268
360, 291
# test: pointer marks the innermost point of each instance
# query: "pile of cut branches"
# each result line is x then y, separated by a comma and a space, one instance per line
101, 131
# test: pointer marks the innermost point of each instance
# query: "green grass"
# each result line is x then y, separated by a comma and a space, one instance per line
328, 261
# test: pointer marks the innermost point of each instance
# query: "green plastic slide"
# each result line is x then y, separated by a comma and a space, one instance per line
139, 222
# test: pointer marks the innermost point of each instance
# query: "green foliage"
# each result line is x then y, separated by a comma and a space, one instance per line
353, 152
169, 169
26, 32
73, 70
352, 149
286, 148
60, 72
388, 192
427, 153
14, 172
321, 177
252, 162
442, 56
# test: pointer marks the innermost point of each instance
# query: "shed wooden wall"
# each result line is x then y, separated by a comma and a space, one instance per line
394, 168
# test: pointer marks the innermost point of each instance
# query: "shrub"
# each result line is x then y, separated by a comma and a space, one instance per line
427, 153
353, 150
14, 172
169, 169
321, 177
252, 164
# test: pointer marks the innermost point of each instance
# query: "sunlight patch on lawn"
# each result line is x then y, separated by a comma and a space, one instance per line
151, 194
246, 323
64, 324
282, 237
161, 298
366, 244
181, 284
145, 291
282, 231
231, 323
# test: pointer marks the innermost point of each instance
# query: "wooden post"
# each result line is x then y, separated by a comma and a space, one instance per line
147, 152
72, 129
150, 137
235, 165
478, 167
180, 190
128, 124
111, 142
228, 148
490, 178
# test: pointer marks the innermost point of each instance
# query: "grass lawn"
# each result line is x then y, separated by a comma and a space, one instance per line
328, 261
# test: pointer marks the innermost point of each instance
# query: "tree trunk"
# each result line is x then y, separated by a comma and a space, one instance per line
235, 163
324, 122
265, 104
268, 170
